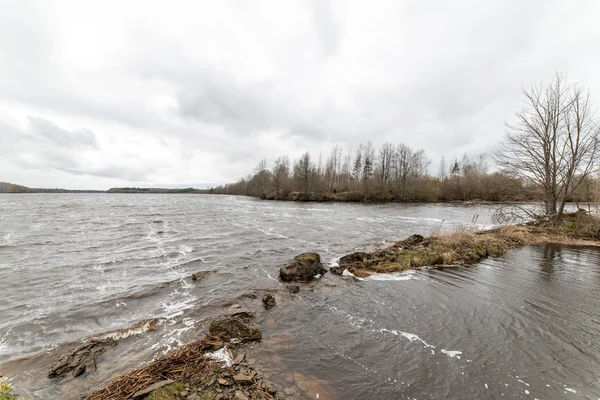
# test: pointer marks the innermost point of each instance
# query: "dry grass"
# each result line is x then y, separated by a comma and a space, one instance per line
464, 247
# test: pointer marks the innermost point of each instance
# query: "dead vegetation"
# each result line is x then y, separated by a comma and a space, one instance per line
189, 367
463, 247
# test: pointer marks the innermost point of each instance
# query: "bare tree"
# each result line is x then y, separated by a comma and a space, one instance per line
281, 173
384, 162
305, 173
554, 143
262, 177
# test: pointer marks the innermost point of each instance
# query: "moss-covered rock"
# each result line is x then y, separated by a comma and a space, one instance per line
302, 268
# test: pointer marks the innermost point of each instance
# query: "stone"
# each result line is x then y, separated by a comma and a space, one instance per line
224, 382
141, 394
302, 268
293, 288
339, 270
268, 301
239, 358
80, 359
239, 395
200, 275
235, 310
243, 379
234, 327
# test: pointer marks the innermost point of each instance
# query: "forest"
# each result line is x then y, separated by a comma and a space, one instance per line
391, 173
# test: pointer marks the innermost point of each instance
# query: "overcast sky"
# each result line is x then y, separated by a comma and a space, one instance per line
96, 94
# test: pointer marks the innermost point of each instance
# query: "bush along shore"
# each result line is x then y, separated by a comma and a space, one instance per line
465, 247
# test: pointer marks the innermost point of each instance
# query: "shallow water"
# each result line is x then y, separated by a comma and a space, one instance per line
72, 266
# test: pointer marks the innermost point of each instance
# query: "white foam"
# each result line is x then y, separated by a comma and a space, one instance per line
570, 390
222, 355
348, 273
410, 336
142, 327
402, 276
452, 353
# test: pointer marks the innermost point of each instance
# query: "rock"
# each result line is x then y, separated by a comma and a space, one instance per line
141, 394
302, 268
243, 379
80, 359
290, 391
239, 358
235, 310
239, 395
293, 288
268, 301
198, 276
409, 243
234, 327
79, 370
185, 393
337, 270
357, 257
223, 382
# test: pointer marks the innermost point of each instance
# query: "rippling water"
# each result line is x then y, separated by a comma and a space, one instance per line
71, 266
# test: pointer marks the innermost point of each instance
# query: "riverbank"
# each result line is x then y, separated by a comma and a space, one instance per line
463, 247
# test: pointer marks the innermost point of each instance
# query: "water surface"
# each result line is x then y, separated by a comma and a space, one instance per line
71, 266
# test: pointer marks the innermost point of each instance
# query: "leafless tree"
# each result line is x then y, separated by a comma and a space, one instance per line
384, 162
305, 173
554, 143
281, 173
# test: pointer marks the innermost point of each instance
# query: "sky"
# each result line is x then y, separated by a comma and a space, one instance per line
98, 94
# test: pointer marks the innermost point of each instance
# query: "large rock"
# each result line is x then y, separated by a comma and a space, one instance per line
409, 243
352, 258
302, 268
81, 359
235, 327
268, 301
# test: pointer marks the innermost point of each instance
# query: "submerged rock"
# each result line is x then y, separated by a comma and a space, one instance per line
339, 270
81, 359
302, 268
293, 288
235, 310
198, 276
268, 301
235, 327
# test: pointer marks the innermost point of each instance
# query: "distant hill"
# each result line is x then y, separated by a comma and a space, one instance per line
158, 190
6, 187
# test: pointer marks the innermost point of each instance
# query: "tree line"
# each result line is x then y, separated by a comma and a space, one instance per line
389, 173
551, 154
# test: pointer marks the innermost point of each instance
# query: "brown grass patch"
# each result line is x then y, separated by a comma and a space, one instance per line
463, 247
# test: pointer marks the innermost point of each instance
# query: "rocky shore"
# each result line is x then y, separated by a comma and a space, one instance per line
464, 247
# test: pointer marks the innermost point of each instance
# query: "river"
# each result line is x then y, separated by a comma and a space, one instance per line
525, 325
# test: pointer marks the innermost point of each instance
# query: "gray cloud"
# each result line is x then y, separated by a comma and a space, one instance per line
200, 92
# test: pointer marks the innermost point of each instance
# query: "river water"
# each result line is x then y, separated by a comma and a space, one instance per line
525, 325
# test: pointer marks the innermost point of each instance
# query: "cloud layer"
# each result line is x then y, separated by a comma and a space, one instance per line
105, 93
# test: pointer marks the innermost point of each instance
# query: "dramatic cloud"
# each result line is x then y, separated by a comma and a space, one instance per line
102, 93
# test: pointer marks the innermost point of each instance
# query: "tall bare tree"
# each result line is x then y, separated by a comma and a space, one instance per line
554, 143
